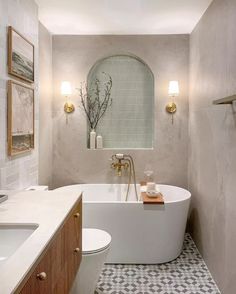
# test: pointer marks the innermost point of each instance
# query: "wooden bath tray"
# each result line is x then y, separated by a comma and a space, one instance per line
152, 200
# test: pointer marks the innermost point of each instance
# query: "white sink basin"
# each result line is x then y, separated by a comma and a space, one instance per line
12, 236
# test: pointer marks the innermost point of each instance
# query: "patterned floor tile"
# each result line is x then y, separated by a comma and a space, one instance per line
188, 274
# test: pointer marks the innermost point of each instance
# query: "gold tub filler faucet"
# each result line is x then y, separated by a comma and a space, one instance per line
126, 162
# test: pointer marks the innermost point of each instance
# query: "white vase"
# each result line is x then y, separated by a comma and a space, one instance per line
99, 142
92, 139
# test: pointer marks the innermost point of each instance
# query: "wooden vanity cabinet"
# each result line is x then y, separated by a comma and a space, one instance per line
55, 270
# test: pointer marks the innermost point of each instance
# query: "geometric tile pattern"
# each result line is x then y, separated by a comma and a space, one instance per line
187, 274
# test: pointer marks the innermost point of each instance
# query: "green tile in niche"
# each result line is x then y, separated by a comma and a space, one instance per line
129, 122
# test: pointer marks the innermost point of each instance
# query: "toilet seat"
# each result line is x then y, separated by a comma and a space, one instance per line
94, 241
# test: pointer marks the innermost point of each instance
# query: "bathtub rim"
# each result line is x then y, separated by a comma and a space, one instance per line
186, 198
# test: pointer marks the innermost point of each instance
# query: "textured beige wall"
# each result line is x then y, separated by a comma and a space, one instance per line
212, 150
21, 171
45, 106
168, 58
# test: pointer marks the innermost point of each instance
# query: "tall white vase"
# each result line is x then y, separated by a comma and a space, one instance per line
92, 139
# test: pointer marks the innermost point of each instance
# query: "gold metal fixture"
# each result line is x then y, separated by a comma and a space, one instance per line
173, 92
77, 215
42, 276
171, 107
66, 91
69, 107
118, 166
120, 161
77, 250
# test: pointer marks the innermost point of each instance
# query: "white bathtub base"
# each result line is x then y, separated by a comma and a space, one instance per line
142, 234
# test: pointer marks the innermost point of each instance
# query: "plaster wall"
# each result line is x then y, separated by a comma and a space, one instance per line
212, 147
20, 171
168, 58
45, 106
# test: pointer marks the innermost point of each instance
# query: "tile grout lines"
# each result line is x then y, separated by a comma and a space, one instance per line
187, 274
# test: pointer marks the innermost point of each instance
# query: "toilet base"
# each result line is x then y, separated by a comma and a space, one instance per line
89, 272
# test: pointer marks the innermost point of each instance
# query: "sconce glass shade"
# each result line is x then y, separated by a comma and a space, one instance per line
66, 88
173, 88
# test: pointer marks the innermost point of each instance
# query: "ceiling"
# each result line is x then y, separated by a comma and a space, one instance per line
121, 17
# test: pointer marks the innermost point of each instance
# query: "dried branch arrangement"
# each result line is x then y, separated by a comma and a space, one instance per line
95, 100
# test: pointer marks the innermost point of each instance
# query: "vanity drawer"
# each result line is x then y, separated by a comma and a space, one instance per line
56, 270
41, 280
73, 241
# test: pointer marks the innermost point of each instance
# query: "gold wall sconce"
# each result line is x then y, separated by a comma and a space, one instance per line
66, 91
173, 92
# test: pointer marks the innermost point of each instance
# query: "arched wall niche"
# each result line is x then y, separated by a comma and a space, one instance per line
129, 122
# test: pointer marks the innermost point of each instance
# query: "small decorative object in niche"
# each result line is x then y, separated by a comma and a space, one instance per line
20, 56
20, 118
92, 141
95, 101
99, 142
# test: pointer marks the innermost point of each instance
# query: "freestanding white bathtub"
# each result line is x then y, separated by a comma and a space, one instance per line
141, 234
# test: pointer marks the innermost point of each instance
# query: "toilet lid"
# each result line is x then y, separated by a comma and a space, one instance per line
95, 240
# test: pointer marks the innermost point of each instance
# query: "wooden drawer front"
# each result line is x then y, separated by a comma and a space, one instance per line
73, 239
37, 284
60, 261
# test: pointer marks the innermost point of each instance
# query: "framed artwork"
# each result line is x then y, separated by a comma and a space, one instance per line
20, 118
20, 56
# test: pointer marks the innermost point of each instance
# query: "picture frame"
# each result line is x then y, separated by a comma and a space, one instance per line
20, 56
20, 123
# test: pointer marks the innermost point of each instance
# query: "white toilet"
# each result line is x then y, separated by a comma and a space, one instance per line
95, 247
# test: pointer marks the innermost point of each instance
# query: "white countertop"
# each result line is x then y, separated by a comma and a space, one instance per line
48, 209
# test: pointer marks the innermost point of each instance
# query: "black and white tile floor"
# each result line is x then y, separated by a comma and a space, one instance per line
187, 274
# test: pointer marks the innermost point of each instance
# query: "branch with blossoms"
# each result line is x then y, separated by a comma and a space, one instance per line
95, 101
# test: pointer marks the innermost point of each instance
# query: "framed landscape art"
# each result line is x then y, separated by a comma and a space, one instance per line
20, 118
20, 56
